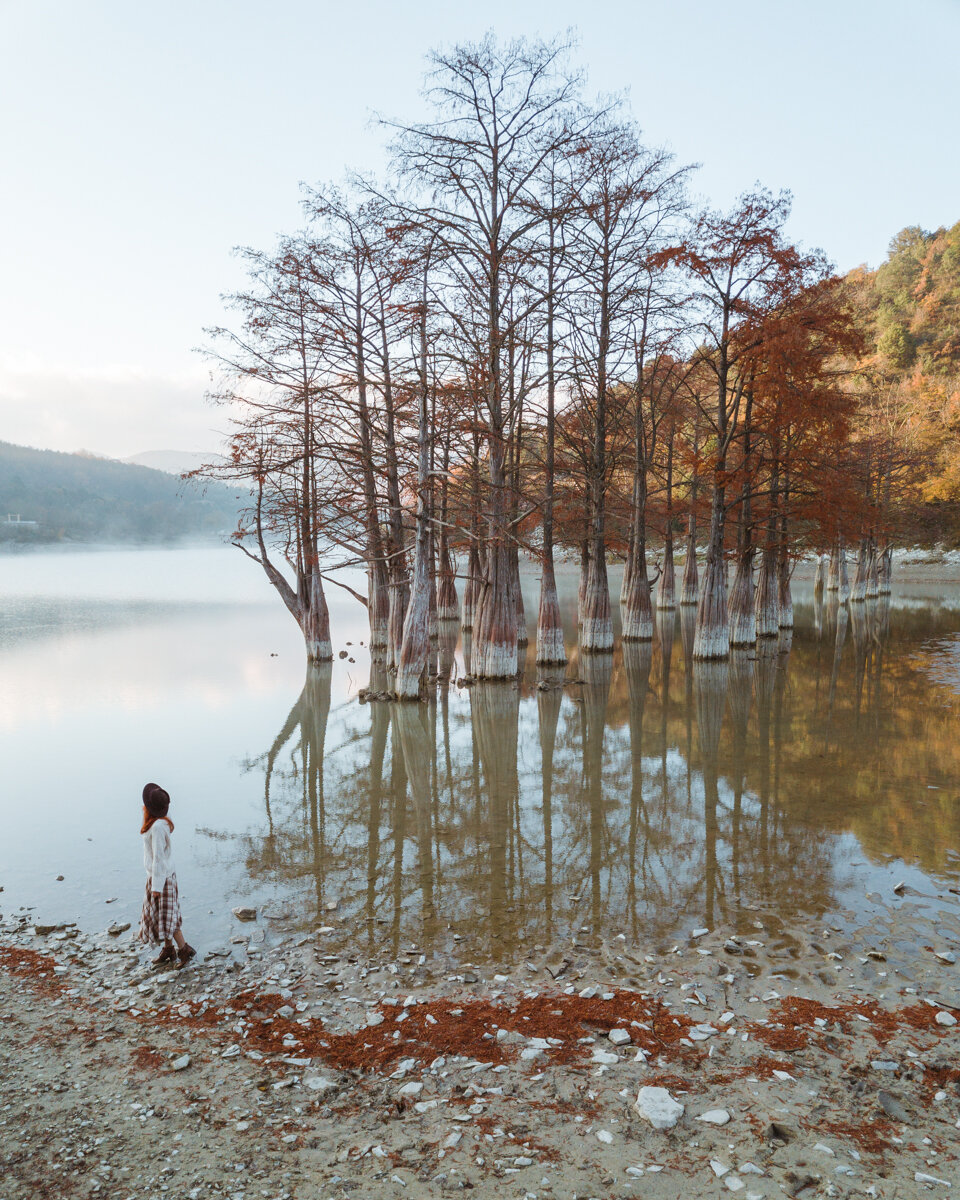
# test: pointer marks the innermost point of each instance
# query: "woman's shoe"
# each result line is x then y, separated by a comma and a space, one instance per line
167, 954
185, 953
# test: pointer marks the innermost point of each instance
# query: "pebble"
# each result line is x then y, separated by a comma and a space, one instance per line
619, 1037
318, 1083
181, 1063
605, 1057
716, 1116
945, 1018
885, 1064
411, 1089
243, 913
719, 1169
604, 1135
656, 1105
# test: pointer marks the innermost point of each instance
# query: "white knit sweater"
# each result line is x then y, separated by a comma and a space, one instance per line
158, 855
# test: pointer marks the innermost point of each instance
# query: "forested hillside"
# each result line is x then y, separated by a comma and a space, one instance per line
909, 381
75, 497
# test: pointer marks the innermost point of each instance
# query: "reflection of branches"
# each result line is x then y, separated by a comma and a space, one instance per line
662, 808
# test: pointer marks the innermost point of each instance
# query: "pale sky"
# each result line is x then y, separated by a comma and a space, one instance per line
139, 143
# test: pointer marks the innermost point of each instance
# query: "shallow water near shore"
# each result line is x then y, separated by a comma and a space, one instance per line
635, 796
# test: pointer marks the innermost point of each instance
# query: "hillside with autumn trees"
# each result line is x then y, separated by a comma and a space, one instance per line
908, 381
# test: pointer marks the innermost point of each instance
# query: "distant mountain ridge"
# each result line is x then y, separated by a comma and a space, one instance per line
176, 462
81, 497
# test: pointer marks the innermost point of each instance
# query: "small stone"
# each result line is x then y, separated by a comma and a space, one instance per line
923, 1177
945, 1018
656, 1105
411, 1089
451, 1140
523, 1161
719, 1169
116, 929
733, 1183
245, 914
181, 1063
318, 1083
699, 933
716, 1116
946, 956
604, 1057
619, 1037
604, 1135
885, 1064
231, 1052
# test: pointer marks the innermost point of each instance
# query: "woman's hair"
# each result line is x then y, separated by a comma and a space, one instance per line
155, 800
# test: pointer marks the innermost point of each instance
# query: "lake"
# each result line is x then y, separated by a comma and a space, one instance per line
637, 795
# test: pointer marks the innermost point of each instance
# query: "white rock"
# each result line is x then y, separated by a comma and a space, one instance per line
452, 1139
523, 1161
719, 1169
716, 1116
181, 1063
782, 1075
245, 914
733, 1183
699, 933
922, 1177
605, 1057
947, 956
619, 1037
529, 1053
656, 1105
604, 1135
318, 1083
945, 1018
411, 1089
231, 1052
374, 1018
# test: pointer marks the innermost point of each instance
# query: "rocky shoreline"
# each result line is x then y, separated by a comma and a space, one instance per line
800, 1062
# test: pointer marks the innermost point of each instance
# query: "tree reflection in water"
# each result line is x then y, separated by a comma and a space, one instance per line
631, 793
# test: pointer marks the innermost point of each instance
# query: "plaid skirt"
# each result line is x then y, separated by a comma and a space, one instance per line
160, 918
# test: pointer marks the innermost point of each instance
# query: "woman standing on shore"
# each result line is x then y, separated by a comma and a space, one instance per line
160, 919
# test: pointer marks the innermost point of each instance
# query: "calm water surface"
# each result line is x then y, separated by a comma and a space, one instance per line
636, 794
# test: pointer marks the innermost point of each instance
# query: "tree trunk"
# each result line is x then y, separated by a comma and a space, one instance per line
785, 597
550, 647
690, 587
596, 629
637, 612
316, 621
873, 571
820, 577
584, 575
415, 645
666, 586
859, 590
522, 636
743, 621
767, 603
886, 571
713, 635
833, 575
378, 606
843, 586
